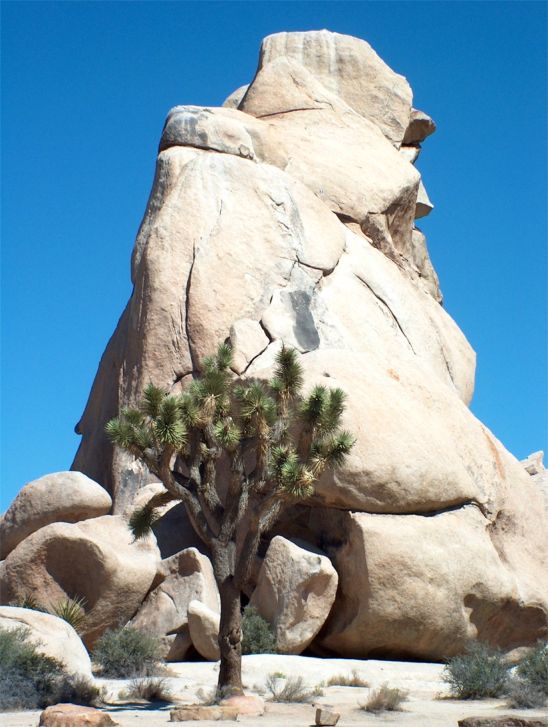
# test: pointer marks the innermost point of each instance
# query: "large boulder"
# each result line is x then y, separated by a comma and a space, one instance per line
186, 577
52, 637
433, 583
349, 68
295, 591
95, 560
292, 219
59, 497
203, 626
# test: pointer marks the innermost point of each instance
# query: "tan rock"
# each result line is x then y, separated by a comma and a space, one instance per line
96, 560
410, 153
51, 635
250, 705
72, 715
422, 265
420, 126
233, 235
248, 340
534, 464
203, 129
203, 626
187, 576
423, 206
419, 603
200, 712
295, 591
342, 156
349, 68
59, 497
326, 716
233, 101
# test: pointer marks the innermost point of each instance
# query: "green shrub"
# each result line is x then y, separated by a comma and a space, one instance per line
524, 695
257, 634
292, 689
385, 699
30, 680
480, 672
534, 668
127, 652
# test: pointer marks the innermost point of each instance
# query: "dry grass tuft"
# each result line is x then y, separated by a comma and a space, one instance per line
385, 699
344, 680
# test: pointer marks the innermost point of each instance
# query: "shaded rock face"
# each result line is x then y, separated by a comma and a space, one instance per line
184, 578
292, 218
96, 560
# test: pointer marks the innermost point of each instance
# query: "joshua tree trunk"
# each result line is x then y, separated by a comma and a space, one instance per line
230, 639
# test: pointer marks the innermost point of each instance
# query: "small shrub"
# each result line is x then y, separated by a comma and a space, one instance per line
385, 699
293, 689
534, 668
151, 689
524, 695
72, 611
344, 680
479, 673
28, 679
74, 689
257, 634
126, 652
27, 600
17, 692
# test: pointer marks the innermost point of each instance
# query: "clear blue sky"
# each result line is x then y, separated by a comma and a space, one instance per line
85, 90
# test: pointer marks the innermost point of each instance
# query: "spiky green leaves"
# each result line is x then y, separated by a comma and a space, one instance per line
322, 409
168, 425
331, 452
142, 520
152, 400
290, 474
128, 431
227, 434
288, 375
255, 402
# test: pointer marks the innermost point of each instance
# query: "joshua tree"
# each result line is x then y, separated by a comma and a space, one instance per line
236, 452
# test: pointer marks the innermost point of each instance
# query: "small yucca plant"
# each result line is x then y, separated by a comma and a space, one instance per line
71, 610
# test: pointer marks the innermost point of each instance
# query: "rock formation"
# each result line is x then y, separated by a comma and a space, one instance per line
51, 636
61, 497
295, 591
96, 560
289, 215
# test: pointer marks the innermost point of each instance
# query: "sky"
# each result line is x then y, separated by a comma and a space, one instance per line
85, 90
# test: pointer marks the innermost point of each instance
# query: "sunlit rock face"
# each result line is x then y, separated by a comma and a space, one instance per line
289, 215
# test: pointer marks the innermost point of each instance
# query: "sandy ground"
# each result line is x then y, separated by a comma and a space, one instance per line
427, 704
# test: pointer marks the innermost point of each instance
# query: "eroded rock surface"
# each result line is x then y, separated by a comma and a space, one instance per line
96, 560
186, 577
59, 497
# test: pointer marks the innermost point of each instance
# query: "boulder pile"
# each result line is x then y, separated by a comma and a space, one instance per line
288, 215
